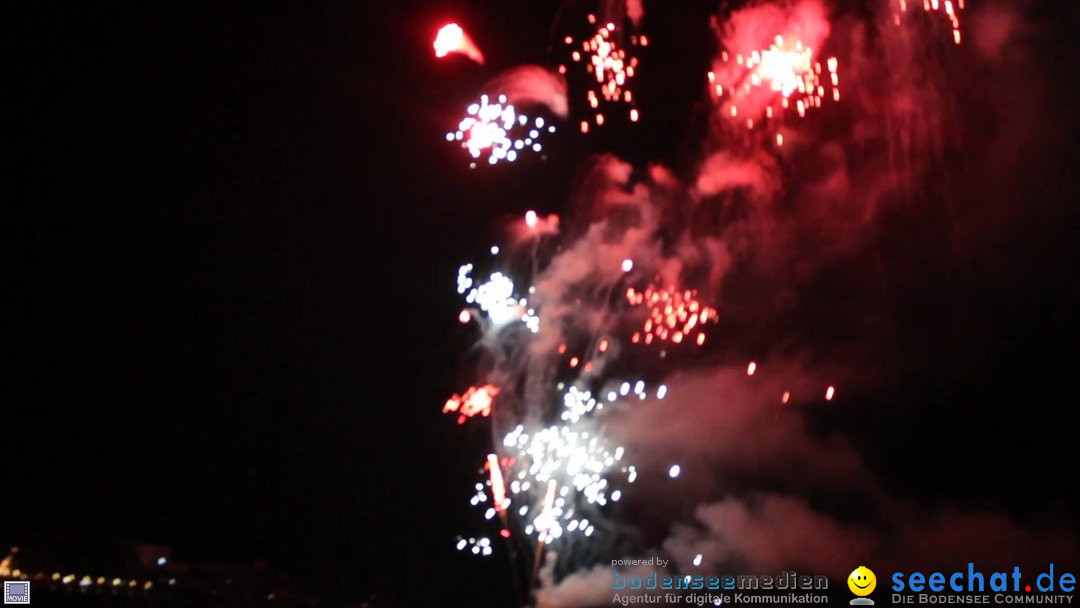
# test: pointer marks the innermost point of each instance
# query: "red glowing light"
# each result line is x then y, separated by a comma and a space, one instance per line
475, 401
452, 39
673, 314
498, 486
610, 65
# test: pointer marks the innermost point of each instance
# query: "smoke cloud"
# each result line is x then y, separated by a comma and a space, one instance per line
531, 84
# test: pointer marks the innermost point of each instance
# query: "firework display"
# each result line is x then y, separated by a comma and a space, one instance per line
494, 131
580, 464
764, 85
555, 475
522, 304
612, 68
675, 315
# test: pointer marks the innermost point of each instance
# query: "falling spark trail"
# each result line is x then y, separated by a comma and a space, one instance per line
950, 10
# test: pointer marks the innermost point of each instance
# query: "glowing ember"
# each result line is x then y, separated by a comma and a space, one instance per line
452, 39
476, 401
612, 68
674, 315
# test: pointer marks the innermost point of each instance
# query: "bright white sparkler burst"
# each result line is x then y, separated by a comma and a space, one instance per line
581, 465
497, 132
496, 297
552, 478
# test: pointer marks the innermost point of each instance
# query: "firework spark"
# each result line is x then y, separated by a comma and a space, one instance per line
612, 67
674, 315
452, 39
579, 463
766, 84
497, 132
943, 7
581, 402
477, 546
497, 298
554, 474
498, 485
557, 475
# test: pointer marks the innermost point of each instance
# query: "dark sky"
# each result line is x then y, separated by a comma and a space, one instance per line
235, 235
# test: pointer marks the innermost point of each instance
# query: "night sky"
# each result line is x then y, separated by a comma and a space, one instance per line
236, 230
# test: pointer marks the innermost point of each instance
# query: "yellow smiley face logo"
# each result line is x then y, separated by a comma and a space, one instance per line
862, 581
